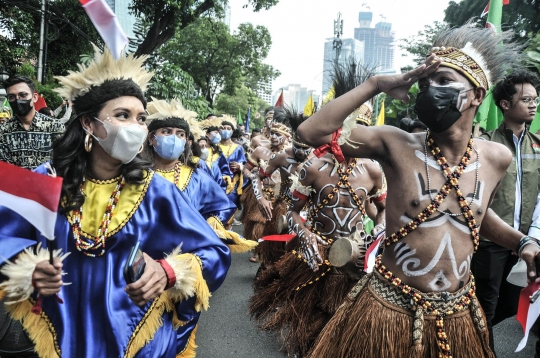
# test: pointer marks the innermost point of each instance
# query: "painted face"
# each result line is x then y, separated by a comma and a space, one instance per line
301, 153
276, 139
268, 119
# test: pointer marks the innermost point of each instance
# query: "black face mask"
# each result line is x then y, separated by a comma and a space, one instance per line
436, 107
21, 107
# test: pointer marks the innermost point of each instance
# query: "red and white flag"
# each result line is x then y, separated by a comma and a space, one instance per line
32, 195
371, 253
527, 312
107, 25
280, 102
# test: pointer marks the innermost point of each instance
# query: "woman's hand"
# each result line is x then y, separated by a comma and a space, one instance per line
47, 278
151, 284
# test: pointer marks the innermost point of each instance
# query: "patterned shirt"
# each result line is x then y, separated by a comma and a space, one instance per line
29, 148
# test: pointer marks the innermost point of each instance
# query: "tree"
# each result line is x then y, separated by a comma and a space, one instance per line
521, 16
533, 53
420, 45
67, 25
218, 60
164, 18
241, 101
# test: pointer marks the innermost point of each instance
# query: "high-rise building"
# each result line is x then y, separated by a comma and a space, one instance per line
378, 41
296, 96
125, 18
350, 48
227, 18
264, 91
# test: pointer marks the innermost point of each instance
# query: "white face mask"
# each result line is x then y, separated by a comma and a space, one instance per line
204, 153
122, 142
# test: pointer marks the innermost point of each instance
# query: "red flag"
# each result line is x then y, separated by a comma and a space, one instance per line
32, 195
106, 24
527, 311
371, 253
278, 238
40, 103
486, 9
280, 102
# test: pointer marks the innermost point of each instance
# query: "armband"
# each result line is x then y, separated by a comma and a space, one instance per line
169, 272
332, 147
525, 240
379, 197
300, 191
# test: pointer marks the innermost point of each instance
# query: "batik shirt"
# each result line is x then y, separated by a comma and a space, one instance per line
29, 148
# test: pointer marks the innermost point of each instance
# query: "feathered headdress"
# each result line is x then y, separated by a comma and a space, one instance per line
295, 119
228, 118
210, 122
161, 110
477, 53
103, 79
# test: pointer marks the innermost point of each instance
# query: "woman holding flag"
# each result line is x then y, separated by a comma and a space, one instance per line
109, 203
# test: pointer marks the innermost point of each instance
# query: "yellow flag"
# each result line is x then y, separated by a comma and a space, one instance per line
380, 116
309, 107
329, 96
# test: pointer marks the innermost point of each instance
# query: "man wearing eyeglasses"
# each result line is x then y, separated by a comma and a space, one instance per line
26, 138
517, 201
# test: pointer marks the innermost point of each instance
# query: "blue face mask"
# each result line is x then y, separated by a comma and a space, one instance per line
169, 147
215, 139
225, 134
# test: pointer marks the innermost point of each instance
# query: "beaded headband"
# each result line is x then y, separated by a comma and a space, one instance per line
281, 128
364, 114
269, 115
467, 61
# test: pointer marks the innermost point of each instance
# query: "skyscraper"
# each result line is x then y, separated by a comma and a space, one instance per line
378, 41
264, 91
121, 10
296, 96
350, 48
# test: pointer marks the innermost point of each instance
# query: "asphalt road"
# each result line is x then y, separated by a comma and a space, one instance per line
225, 330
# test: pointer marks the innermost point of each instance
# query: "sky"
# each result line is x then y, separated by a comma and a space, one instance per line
299, 29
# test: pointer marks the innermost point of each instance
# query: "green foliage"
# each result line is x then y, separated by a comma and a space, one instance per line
166, 17
218, 60
20, 25
420, 45
523, 17
52, 98
243, 99
533, 53
396, 109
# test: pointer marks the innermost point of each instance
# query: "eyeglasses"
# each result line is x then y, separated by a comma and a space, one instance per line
22, 95
529, 100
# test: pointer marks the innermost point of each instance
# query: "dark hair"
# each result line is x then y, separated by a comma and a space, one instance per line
195, 147
256, 130
110, 89
237, 133
505, 89
210, 115
19, 79
69, 158
211, 129
169, 122
408, 125
268, 110
294, 118
280, 116
46, 111
227, 123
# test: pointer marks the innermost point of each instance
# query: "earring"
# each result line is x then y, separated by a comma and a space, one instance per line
88, 142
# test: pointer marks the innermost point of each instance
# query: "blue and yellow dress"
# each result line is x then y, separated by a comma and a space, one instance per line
234, 153
97, 318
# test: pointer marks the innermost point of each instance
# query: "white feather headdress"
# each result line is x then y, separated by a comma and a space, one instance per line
161, 109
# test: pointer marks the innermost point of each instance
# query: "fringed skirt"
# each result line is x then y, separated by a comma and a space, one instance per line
251, 217
376, 320
295, 301
270, 252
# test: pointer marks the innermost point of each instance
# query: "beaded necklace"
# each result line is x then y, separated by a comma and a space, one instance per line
86, 246
452, 182
229, 149
420, 300
177, 171
343, 181
476, 185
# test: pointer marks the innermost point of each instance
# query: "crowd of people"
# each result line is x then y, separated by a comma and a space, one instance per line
372, 241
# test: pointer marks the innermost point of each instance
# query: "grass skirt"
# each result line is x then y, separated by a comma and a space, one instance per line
298, 315
251, 215
270, 252
376, 321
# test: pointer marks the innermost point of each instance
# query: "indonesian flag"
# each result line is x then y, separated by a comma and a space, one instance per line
527, 312
371, 253
32, 195
107, 25
486, 9
40, 103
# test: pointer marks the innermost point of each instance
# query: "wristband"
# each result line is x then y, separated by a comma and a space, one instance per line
263, 173
525, 240
169, 272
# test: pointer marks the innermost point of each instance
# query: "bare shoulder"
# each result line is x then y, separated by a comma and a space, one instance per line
255, 142
261, 153
495, 153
